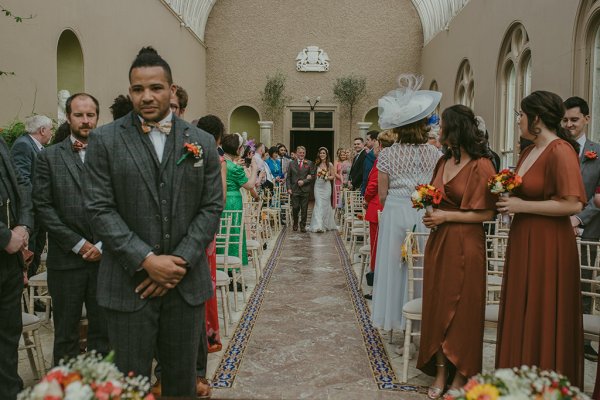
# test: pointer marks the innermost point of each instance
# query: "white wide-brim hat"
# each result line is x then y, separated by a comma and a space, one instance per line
407, 104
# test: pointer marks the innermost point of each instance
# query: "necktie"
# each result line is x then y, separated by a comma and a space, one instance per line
165, 127
301, 163
77, 146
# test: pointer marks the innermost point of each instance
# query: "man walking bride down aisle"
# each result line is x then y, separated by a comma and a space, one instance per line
300, 177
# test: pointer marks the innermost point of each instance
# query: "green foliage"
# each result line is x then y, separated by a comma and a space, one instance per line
17, 18
12, 131
349, 91
273, 97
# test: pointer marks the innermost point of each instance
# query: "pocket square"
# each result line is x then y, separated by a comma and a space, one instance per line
198, 163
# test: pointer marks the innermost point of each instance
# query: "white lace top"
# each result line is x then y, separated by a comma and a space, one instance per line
407, 166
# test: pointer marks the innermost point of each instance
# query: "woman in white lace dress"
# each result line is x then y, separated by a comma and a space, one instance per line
402, 166
323, 217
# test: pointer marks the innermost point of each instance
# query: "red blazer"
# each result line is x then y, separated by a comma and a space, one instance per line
371, 195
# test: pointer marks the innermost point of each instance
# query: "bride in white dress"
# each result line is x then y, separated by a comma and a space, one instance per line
323, 218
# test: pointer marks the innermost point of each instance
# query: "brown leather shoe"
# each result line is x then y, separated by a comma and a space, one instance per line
156, 389
202, 388
303, 230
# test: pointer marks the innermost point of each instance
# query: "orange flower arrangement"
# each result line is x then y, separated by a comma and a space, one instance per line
504, 181
425, 197
191, 148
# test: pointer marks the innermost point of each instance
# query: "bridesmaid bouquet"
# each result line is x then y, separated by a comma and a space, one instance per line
503, 183
90, 377
517, 383
425, 197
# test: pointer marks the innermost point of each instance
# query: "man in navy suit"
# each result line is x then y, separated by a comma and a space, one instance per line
24, 154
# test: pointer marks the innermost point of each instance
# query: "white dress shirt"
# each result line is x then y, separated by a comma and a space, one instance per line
37, 143
581, 142
81, 152
158, 138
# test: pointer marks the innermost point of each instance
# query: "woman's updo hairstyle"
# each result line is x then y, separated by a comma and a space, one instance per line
550, 109
231, 143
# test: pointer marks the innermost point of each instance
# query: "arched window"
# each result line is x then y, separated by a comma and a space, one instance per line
245, 119
372, 116
69, 63
464, 91
514, 83
586, 71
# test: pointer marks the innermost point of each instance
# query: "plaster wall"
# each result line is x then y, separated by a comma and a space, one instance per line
249, 40
111, 32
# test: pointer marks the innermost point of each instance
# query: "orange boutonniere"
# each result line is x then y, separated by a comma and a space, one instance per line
191, 148
590, 155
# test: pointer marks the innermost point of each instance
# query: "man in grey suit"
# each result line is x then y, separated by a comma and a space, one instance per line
24, 152
299, 179
152, 187
16, 221
74, 252
576, 120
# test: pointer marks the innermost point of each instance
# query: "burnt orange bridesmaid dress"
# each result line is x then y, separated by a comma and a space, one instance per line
454, 280
540, 320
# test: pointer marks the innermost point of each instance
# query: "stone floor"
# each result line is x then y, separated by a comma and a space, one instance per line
304, 340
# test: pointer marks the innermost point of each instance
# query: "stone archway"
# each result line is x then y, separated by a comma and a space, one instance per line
245, 118
372, 116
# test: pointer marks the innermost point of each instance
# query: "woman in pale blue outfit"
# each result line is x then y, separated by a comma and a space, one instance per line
404, 165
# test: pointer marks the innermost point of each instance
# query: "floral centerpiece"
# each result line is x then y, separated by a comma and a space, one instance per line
89, 377
518, 383
504, 183
425, 197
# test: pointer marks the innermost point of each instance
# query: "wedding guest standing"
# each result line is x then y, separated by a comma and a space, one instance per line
596, 395
155, 205
540, 319
407, 163
74, 251
454, 280
236, 179
371, 202
275, 165
341, 166
358, 163
16, 221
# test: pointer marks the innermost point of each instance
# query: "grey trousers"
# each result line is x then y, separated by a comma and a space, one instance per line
167, 324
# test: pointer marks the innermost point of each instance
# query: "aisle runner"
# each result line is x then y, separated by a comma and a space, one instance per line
298, 336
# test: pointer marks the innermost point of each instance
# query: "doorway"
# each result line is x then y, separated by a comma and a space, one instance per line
312, 140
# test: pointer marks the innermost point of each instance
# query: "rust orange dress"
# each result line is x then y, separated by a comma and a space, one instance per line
454, 277
540, 320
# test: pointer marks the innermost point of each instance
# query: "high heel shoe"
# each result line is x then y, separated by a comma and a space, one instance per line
436, 392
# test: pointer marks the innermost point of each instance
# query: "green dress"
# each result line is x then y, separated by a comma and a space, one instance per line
236, 178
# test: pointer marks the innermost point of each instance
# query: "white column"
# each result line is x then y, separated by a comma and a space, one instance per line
363, 128
266, 132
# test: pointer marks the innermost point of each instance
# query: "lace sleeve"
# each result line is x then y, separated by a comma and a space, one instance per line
384, 161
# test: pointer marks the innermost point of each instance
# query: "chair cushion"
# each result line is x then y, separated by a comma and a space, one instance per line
491, 312
591, 324
30, 319
494, 280
413, 307
366, 249
42, 278
222, 278
231, 260
252, 244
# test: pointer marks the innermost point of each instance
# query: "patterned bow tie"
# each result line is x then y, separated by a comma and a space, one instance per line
77, 146
165, 127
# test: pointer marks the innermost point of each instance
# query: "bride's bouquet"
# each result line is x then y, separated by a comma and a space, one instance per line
89, 377
322, 174
425, 197
504, 183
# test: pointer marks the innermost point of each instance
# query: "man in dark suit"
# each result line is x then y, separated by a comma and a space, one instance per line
357, 168
369, 159
152, 188
16, 221
576, 120
24, 152
299, 179
74, 252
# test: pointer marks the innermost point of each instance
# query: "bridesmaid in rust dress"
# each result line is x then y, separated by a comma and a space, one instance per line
455, 270
540, 320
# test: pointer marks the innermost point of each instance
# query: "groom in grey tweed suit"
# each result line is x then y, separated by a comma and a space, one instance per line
156, 207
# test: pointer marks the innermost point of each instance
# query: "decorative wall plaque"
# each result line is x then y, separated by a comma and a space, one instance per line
312, 59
